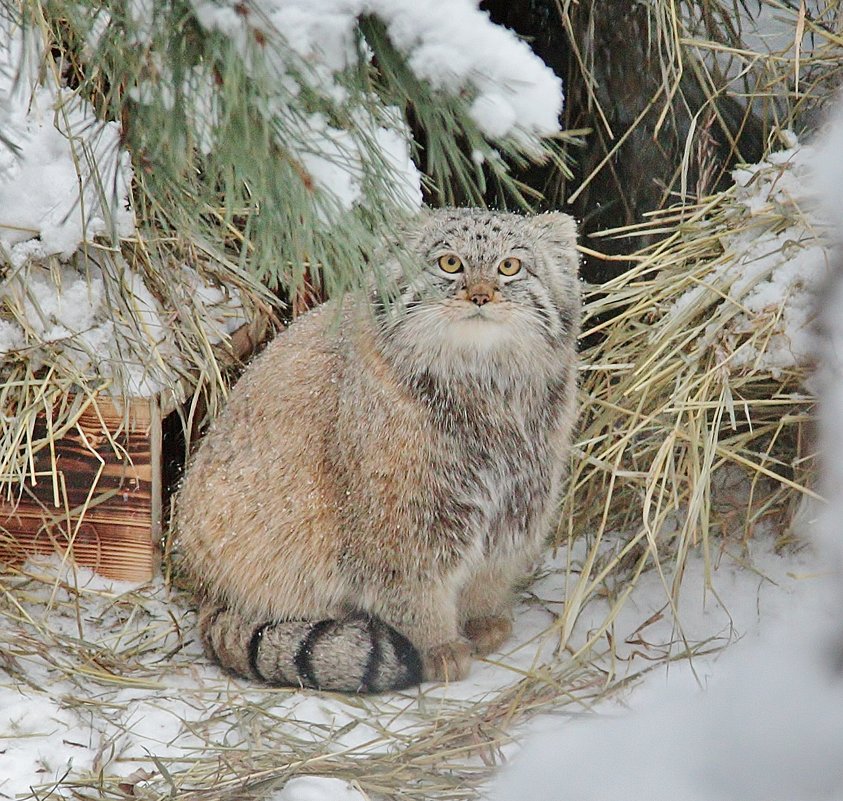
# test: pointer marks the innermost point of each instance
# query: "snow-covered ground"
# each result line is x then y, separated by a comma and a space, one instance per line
69, 719
760, 722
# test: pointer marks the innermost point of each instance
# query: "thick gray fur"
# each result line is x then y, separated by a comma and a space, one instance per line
383, 475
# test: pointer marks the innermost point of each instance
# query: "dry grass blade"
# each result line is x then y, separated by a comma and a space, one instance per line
696, 418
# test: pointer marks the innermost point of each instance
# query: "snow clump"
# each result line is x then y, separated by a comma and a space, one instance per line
64, 177
776, 257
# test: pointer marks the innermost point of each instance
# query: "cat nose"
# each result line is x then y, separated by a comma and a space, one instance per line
481, 294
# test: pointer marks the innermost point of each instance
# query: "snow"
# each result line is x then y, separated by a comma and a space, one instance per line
68, 179
766, 724
449, 43
68, 316
393, 143
776, 259
11, 337
334, 160
317, 788
65, 182
219, 311
830, 176
177, 703
33, 740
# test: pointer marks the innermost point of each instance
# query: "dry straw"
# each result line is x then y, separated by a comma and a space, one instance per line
676, 448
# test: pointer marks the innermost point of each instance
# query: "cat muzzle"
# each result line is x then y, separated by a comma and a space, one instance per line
481, 293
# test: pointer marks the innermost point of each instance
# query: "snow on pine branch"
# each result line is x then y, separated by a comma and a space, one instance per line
64, 178
334, 159
450, 44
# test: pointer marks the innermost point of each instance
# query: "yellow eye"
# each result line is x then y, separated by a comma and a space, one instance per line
510, 266
450, 263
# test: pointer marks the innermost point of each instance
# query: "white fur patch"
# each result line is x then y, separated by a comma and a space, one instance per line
455, 339
477, 332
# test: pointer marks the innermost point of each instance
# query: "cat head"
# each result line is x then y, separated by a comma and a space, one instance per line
484, 282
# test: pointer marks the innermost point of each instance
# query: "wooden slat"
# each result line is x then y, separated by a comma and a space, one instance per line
107, 479
103, 495
119, 552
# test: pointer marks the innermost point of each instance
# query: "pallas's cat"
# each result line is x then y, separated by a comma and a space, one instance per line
383, 474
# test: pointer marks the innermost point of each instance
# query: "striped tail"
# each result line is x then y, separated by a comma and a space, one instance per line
359, 654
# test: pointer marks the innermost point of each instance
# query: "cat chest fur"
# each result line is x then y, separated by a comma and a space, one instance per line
463, 469
505, 476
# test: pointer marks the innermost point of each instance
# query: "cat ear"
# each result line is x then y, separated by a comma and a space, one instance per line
556, 226
556, 233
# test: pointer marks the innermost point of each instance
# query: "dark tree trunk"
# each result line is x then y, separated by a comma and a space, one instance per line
612, 38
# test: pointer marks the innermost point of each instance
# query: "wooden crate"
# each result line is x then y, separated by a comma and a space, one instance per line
103, 499
104, 502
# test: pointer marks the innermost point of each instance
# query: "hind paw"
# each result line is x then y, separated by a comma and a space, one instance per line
487, 633
448, 662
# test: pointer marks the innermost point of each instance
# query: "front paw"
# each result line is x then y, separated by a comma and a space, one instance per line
448, 662
487, 633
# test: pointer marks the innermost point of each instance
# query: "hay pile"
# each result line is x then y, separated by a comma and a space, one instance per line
697, 407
